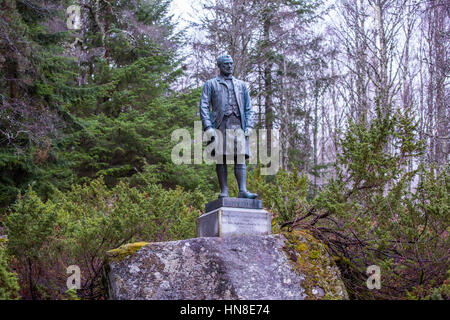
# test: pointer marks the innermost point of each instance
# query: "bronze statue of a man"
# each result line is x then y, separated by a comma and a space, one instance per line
225, 105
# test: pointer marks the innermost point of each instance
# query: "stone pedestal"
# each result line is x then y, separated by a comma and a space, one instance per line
234, 217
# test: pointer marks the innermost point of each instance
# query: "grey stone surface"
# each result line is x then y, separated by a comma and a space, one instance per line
246, 267
225, 222
233, 203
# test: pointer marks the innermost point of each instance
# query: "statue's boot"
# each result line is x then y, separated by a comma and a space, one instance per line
222, 174
240, 171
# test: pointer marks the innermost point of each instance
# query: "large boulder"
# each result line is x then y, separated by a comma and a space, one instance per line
291, 266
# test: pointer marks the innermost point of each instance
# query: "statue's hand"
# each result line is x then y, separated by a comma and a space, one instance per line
248, 132
211, 132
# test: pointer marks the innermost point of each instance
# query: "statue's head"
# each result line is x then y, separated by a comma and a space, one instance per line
225, 64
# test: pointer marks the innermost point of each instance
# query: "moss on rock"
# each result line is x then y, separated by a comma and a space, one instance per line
310, 257
124, 251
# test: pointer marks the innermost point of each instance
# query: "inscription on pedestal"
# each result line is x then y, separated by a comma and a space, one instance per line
238, 222
224, 222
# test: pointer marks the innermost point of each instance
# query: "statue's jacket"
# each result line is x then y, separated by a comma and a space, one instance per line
213, 103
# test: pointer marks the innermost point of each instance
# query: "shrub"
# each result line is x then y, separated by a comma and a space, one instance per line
32, 229
78, 227
9, 287
380, 211
284, 196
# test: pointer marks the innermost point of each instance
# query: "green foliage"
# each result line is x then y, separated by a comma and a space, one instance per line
377, 210
284, 196
9, 287
430, 292
38, 79
31, 227
78, 228
42, 168
71, 294
377, 214
85, 143
101, 115
117, 148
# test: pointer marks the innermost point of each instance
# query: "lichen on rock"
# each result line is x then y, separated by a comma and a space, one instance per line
124, 251
310, 257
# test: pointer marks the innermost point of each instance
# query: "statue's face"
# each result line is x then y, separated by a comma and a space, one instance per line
226, 66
